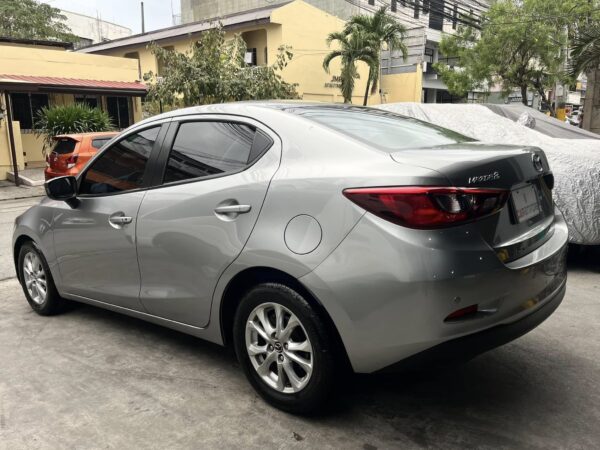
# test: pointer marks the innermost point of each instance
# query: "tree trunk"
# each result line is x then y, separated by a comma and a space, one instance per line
524, 95
366, 100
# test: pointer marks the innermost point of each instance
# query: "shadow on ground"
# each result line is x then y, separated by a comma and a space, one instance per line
585, 257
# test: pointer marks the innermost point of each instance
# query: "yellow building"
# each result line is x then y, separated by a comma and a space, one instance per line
296, 24
34, 74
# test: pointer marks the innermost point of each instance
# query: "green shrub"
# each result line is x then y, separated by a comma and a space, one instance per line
76, 118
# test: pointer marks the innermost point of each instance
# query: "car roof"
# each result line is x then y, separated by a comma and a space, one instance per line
242, 107
79, 136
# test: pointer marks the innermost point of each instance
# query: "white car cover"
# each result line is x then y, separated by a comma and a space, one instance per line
574, 162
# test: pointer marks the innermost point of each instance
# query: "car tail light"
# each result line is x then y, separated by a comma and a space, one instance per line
428, 207
71, 161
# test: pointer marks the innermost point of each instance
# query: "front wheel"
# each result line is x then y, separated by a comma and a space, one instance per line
37, 281
284, 348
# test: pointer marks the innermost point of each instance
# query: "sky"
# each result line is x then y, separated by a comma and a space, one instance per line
124, 12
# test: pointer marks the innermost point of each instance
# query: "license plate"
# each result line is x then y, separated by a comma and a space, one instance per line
526, 203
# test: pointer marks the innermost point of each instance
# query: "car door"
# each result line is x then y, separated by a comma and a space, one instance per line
94, 236
191, 227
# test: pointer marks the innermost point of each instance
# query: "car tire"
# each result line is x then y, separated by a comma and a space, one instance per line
285, 384
37, 282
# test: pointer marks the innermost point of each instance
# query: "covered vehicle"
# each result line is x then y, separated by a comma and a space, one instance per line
574, 154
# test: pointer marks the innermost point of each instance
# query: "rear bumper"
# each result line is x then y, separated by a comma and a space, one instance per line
467, 347
389, 289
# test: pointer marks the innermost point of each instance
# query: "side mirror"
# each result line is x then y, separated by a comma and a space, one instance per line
61, 188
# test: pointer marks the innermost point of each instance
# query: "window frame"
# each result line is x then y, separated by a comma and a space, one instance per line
82, 99
32, 114
169, 141
130, 119
151, 167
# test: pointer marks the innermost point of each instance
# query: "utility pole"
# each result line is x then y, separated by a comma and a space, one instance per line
143, 18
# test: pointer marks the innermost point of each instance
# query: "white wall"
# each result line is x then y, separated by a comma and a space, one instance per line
88, 27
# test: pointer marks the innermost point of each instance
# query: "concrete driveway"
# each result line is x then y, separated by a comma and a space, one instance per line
94, 379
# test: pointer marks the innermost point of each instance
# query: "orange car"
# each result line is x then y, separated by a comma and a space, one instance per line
72, 151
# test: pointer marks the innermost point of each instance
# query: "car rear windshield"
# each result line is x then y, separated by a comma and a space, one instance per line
386, 131
64, 145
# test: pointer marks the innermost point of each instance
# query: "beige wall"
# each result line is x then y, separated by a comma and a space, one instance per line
257, 39
305, 29
5, 155
33, 147
43, 62
403, 87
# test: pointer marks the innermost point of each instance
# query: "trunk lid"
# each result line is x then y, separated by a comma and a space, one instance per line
527, 219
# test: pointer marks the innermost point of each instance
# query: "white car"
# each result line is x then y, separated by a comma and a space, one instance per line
574, 118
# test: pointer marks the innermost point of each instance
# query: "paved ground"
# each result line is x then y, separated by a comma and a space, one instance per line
94, 379
9, 210
8, 191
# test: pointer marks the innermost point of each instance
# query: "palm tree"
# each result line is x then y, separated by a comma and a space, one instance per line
353, 47
382, 30
585, 51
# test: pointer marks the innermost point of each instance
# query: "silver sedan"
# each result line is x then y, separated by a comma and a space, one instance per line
312, 238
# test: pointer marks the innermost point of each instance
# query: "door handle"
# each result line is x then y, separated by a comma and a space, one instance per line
233, 209
120, 220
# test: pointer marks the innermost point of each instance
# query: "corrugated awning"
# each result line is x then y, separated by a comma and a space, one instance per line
74, 85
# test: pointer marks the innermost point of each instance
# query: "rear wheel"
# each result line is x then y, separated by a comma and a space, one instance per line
284, 348
37, 282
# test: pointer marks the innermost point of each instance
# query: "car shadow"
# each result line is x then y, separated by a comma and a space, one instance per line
498, 399
584, 257
465, 403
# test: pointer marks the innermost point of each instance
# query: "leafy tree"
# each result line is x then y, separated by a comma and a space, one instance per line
352, 48
213, 70
28, 19
382, 31
521, 44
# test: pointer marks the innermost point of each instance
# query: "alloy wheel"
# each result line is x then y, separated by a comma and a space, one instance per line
35, 278
279, 348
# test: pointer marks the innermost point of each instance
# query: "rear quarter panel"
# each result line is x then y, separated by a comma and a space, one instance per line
317, 165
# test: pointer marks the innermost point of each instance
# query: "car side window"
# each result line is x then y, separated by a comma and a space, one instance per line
98, 143
206, 148
122, 166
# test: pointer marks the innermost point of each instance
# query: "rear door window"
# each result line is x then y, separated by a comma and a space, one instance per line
64, 146
207, 148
